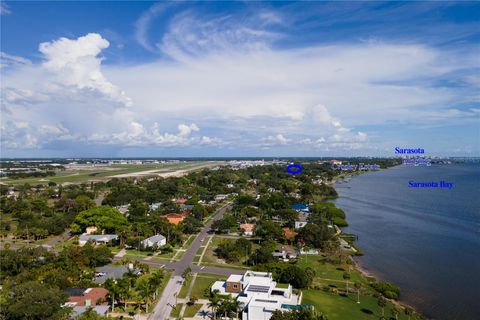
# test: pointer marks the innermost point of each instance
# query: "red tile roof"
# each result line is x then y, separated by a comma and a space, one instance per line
175, 218
93, 294
289, 233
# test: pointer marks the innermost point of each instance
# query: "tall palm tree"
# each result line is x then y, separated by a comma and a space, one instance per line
226, 306
346, 276
113, 290
382, 302
395, 312
214, 304
145, 290
236, 307
156, 278
124, 291
357, 286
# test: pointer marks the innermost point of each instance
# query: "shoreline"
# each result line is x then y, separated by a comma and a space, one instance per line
372, 274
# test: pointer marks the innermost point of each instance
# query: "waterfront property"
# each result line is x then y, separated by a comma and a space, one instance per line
258, 294
300, 207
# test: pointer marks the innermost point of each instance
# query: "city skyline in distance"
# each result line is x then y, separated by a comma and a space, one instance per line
222, 79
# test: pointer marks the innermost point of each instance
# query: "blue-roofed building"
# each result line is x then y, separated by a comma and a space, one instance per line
300, 207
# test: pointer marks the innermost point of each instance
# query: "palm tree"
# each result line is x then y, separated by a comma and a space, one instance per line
395, 312
226, 306
214, 303
113, 290
346, 276
236, 307
156, 278
357, 286
124, 291
382, 302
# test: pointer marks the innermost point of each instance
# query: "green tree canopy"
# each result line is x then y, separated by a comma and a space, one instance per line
104, 218
33, 300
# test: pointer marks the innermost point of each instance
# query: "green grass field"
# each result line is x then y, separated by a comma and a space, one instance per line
202, 285
191, 310
105, 173
176, 312
329, 273
338, 307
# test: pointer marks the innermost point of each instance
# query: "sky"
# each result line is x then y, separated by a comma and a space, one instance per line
206, 79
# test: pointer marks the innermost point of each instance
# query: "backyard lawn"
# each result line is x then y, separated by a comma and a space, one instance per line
327, 273
338, 307
202, 285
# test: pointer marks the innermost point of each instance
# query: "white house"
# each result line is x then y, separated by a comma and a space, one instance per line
158, 239
258, 293
302, 220
96, 238
220, 197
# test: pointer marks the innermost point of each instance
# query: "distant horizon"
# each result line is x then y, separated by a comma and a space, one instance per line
232, 158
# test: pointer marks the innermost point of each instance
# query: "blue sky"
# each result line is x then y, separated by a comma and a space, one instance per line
239, 78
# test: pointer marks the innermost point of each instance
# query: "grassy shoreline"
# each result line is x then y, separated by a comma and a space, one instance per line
356, 263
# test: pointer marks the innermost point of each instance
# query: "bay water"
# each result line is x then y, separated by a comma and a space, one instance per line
426, 240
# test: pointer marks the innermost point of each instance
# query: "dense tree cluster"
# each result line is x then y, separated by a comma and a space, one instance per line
227, 223
234, 250
302, 314
33, 279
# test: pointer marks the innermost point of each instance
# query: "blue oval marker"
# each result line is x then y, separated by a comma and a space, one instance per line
294, 168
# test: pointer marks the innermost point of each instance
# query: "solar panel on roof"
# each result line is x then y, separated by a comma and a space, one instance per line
253, 288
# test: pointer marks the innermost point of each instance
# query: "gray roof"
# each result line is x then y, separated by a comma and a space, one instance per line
98, 237
101, 310
303, 217
156, 238
109, 272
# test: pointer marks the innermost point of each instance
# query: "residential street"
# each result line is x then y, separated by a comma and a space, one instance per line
168, 299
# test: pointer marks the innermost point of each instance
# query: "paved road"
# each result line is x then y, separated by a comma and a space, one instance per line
167, 300
50, 244
99, 199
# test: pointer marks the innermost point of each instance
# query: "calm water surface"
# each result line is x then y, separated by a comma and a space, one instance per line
427, 241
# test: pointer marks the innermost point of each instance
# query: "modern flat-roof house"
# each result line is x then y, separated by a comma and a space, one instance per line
158, 240
258, 293
96, 238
